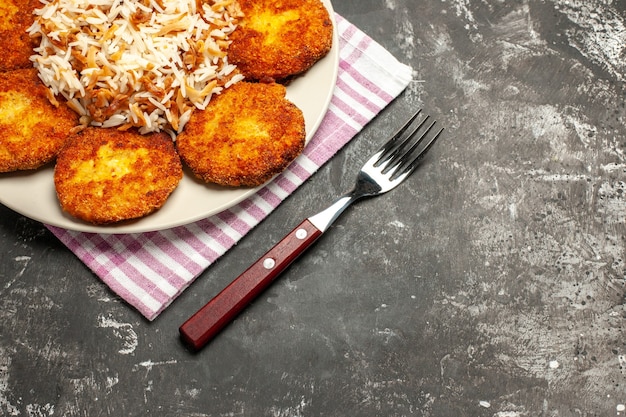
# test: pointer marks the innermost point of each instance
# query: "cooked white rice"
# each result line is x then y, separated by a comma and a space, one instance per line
144, 63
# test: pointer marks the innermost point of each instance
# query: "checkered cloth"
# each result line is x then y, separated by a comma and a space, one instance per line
149, 270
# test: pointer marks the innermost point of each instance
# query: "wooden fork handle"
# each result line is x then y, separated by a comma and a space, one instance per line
207, 322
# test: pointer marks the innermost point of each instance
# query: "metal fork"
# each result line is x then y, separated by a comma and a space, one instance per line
387, 168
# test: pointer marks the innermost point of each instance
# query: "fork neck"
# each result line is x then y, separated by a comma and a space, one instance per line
325, 218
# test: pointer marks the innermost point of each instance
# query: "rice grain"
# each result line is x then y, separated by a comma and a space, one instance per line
143, 63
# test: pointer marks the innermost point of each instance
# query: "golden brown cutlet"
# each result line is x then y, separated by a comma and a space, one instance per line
277, 40
248, 134
32, 130
16, 16
106, 175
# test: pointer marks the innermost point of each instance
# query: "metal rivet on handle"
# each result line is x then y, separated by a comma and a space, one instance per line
301, 234
269, 263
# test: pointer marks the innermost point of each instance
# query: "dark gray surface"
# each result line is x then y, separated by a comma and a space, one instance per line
491, 284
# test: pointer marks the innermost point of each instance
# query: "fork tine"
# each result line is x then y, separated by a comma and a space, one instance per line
401, 153
409, 160
397, 141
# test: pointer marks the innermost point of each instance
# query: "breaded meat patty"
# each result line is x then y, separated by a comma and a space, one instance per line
279, 39
15, 17
32, 130
248, 134
107, 175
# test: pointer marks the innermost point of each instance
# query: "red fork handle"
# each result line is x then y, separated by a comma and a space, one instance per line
207, 322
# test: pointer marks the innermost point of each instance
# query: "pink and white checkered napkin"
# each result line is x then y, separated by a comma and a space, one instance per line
149, 270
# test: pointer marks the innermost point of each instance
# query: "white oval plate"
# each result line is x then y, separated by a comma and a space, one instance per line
32, 193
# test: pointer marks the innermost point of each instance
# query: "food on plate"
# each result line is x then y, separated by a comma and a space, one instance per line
107, 175
118, 92
277, 40
17, 46
32, 129
136, 63
247, 134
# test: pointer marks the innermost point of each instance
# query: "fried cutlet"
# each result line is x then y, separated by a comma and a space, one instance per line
106, 175
16, 16
32, 130
277, 40
246, 135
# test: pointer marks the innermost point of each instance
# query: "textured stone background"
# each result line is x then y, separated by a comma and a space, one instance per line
493, 283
